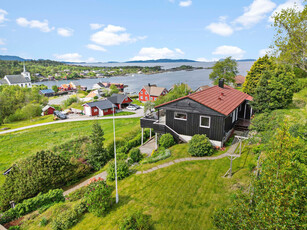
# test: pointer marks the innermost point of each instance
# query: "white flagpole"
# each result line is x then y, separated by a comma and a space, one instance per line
115, 156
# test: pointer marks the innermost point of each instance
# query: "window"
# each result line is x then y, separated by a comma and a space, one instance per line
95, 110
204, 122
142, 97
105, 110
146, 98
180, 116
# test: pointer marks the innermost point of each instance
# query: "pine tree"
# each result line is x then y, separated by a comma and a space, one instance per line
97, 156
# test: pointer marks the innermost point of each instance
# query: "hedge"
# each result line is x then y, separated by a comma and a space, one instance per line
32, 204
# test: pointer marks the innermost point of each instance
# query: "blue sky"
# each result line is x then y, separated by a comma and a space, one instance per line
121, 30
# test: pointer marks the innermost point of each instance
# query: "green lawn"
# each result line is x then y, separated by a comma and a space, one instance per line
14, 146
181, 196
137, 102
34, 121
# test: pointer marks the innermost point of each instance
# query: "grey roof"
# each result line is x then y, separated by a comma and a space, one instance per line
44, 91
103, 104
17, 79
117, 98
3, 82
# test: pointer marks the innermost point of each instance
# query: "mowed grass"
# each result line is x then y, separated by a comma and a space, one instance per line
34, 121
181, 196
15, 146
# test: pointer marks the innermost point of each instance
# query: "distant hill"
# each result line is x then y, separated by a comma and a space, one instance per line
161, 61
11, 58
242, 60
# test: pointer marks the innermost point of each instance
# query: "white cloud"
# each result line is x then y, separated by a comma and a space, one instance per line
3, 13
185, 3
96, 26
202, 59
226, 51
72, 57
65, 32
96, 47
113, 35
255, 12
287, 4
42, 26
149, 53
3, 49
263, 52
2, 41
220, 28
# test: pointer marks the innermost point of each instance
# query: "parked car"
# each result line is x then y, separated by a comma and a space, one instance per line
59, 115
130, 107
136, 106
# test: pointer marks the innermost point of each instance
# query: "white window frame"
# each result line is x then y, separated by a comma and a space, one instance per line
141, 97
203, 126
180, 118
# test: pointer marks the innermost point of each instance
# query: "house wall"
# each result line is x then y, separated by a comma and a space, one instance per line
49, 111
191, 126
143, 95
107, 111
87, 110
95, 111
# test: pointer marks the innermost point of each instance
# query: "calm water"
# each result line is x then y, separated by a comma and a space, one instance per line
194, 78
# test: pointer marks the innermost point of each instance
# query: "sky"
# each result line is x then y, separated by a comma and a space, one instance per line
124, 30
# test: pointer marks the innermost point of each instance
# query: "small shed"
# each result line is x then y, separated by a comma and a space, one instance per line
47, 110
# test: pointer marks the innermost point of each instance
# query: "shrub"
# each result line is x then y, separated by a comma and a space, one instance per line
122, 170
251, 166
135, 155
98, 197
200, 145
31, 110
30, 205
69, 217
135, 220
76, 195
43, 222
35, 174
14, 228
70, 101
167, 140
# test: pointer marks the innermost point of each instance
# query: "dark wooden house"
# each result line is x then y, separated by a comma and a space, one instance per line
213, 111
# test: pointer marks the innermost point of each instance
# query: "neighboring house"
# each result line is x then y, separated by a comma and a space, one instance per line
47, 92
202, 88
120, 100
99, 85
98, 108
239, 80
213, 111
65, 87
92, 94
23, 80
151, 92
47, 110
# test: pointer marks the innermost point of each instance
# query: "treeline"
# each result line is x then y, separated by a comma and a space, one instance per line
60, 70
18, 103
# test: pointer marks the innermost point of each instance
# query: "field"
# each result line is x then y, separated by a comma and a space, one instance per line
182, 196
34, 121
15, 146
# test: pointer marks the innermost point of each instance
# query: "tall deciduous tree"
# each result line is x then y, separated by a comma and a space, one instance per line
277, 197
259, 67
291, 36
98, 156
274, 89
226, 69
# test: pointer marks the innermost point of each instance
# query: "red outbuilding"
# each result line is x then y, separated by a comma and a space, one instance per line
47, 110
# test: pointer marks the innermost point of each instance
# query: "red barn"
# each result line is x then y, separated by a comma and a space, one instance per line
99, 108
151, 93
120, 100
47, 110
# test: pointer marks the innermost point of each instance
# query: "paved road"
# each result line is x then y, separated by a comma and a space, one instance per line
138, 113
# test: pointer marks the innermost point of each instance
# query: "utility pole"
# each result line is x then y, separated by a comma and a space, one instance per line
115, 156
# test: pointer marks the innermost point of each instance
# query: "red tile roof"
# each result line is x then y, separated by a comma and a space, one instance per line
223, 100
239, 79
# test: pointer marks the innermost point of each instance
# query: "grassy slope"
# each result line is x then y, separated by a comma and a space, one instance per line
21, 144
34, 121
182, 196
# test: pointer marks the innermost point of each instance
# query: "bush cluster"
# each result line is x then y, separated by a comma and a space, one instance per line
161, 155
200, 145
98, 197
68, 218
122, 170
30, 205
166, 140
135, 220
135, 155
38, 173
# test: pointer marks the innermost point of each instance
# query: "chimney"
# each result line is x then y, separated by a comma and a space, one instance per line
221, 83
149, 84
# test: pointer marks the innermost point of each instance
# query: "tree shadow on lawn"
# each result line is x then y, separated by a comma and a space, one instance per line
241, 167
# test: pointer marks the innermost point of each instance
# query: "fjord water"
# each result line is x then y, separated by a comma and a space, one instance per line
135, 82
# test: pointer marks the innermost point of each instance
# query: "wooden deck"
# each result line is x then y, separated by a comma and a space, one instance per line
242, 124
